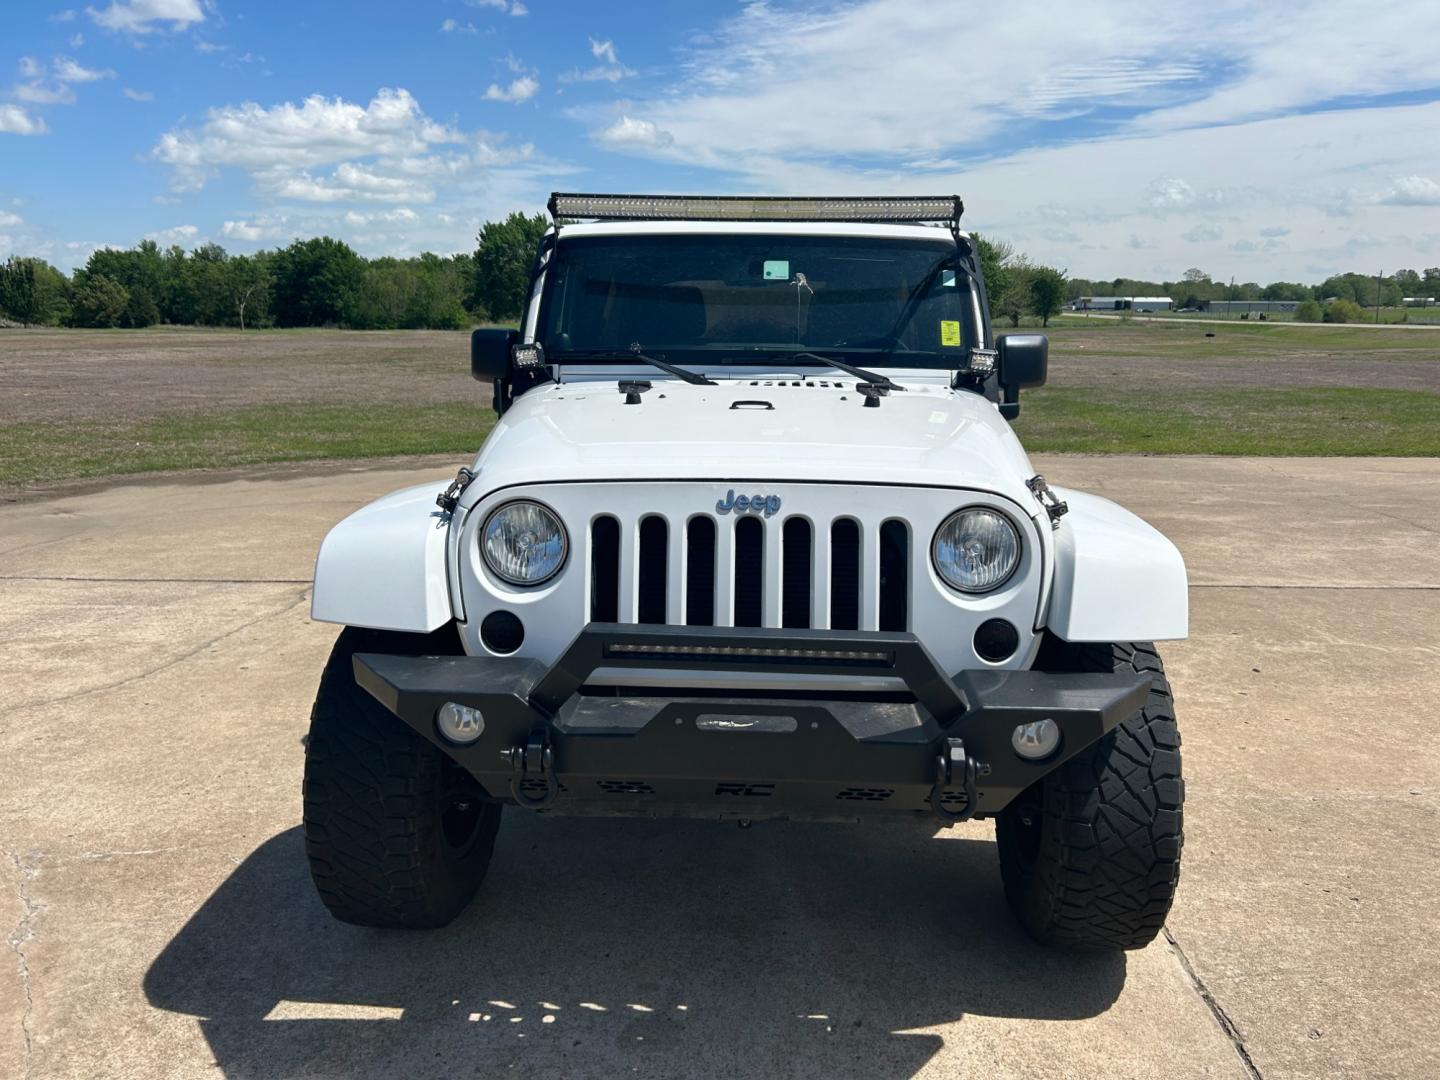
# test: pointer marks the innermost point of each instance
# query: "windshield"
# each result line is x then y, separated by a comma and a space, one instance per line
752, 298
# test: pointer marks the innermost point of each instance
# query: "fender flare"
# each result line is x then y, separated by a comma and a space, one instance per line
1117, 578
384, 566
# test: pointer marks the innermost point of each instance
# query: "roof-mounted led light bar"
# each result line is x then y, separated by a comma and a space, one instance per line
567, 207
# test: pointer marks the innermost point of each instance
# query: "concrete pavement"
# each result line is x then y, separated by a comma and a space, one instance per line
160, 921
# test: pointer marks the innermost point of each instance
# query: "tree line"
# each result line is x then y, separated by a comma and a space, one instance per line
1196, 287
1016, 286
316, 282
325, 282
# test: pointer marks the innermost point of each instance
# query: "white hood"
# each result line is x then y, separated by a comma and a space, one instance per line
926, 435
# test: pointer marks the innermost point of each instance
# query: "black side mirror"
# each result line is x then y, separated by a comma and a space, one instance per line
1024, 361
490, 353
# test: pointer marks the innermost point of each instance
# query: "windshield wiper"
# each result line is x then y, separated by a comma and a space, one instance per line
874, 378
694, 378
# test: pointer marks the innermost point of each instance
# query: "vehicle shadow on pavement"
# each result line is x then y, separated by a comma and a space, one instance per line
657, 947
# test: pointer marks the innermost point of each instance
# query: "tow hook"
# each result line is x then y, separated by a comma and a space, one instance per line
953, 767
533, 760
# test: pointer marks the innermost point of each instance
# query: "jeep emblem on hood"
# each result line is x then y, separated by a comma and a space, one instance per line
748, 504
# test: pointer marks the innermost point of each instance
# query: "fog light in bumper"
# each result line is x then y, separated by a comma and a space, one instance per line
1036, 740
459, 723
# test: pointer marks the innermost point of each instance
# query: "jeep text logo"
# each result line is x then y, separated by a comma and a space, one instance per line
748, 504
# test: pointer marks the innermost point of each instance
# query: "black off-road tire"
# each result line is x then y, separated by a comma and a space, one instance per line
1090, 855
397, 834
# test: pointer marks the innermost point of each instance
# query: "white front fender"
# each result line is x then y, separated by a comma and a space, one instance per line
383, 567
1116, 577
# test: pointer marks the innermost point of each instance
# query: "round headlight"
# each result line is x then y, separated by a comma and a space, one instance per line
976, 550
523, 543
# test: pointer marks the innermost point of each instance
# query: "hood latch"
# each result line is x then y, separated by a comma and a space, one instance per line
448, 499
1053, 504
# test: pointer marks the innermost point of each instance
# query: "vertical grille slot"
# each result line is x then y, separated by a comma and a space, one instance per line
894, 576
845, 575
749, 571
605, 570
700, 572
795, 574
650, 600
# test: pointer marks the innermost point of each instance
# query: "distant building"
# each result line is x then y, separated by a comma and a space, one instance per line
1239, 307
1419, 301
1121, 303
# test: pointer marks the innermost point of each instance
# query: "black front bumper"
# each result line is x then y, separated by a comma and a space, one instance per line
944, 747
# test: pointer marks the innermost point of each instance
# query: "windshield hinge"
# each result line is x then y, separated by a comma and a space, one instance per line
448, 499
1052, 503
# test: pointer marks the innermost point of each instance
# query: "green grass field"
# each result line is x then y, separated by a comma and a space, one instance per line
88, 405
263, 434
1314, 421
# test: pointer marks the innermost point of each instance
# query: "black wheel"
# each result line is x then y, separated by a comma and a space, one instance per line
1090, 855
397, 834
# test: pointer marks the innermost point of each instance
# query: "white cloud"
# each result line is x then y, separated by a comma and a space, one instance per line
1412, 191
66, 70
37, 92
68, 15
1301, 164
400, 215
53, 85
517, 7
1205, 231
145, 16
451, 26
280, 143
179, 234
384, 175
9, 220
610, 69
514, 7
138, 95
1121, 116
17, 121
765, 83
521, 89
351, 182
627, 131
249, 232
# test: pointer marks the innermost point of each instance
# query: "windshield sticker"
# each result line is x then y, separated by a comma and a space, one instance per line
947, 279
950, 332
777, 269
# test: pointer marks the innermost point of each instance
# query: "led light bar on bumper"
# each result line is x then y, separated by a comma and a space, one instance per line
872, 208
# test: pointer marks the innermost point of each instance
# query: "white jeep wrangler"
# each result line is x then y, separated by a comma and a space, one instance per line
751, 539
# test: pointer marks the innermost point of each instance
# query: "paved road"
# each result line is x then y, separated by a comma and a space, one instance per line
158, 671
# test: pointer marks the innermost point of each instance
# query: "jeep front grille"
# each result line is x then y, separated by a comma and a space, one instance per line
750, 571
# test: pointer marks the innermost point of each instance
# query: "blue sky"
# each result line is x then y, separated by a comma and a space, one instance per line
1107, 138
